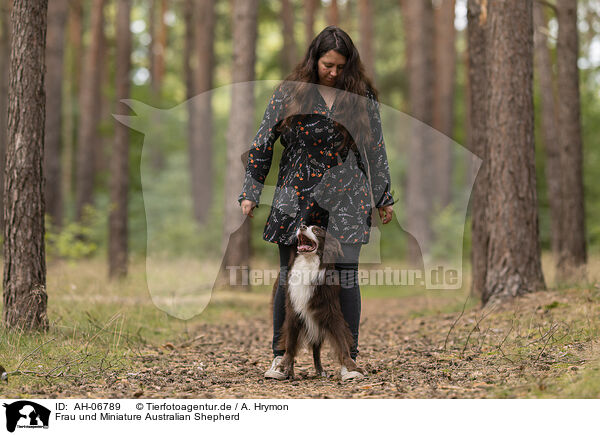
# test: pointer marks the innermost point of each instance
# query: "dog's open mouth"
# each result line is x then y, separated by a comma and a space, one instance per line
305, 244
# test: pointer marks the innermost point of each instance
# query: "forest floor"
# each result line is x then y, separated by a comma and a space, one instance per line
542, 345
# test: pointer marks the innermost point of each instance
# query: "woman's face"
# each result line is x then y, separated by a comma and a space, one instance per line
330, 66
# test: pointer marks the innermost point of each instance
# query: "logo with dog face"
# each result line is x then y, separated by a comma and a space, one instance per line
25, 414
184, 260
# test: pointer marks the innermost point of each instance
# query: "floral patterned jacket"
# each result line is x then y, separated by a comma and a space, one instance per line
319, 181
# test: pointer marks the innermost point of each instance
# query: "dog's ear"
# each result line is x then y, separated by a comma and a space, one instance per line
332, 249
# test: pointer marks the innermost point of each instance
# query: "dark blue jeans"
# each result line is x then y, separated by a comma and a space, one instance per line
349, 294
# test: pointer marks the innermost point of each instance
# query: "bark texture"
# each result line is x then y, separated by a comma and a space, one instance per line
55, 42
71, 102
239, 131
573, 255
477, 137
333, 14
201, 36
367, 46
25, 298
5, 30
549, 123
119, 165
290, 51
418, 25
443, 99
88, 136
159, 45
513, 254
310, 9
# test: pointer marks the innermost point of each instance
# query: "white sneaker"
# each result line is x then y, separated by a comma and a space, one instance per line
273, 373
346, 375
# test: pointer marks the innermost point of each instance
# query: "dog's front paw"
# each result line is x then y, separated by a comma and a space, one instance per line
287, 369
323, 374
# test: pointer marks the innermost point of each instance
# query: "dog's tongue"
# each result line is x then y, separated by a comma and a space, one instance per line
304, 247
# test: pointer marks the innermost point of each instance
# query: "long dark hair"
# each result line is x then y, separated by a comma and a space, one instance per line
353, 79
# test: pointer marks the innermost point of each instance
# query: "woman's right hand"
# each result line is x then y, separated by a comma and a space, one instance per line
247, 207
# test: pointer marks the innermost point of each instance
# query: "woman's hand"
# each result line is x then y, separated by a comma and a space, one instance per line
247, 207
385, 213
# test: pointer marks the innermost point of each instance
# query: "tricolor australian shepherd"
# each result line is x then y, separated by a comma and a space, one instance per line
312, 305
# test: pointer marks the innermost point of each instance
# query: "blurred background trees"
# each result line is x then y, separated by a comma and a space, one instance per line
428, 58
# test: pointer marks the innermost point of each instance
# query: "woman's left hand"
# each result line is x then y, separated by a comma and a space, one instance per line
385, 213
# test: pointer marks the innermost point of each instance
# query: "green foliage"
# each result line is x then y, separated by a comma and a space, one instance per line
448, 226
75, 240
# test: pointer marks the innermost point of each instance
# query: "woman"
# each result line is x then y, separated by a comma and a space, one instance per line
327, 135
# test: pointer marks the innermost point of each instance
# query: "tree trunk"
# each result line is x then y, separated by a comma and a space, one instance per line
71, 103
188, 51
513, 255
202, 144
310, 8
159, 45
477, 137
443, 98
117, 236
573, 254
239, 131
57, 15
367, 47
152, 33
549, 123
25, 298
418, 25
101, 161
334, 14
89, 113
290, 52
4, 69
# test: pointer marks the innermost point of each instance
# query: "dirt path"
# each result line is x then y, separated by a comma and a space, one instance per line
477, 354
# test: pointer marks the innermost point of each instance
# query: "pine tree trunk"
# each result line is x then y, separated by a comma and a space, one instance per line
152, 33
71, 102
418, 24
201, 145
117, 238
443, 99
477, 137
200, 24
188, 51
290, 52
367, 47
57, 15
6, 6
573, 254
549, 123
101, 161
88, 137
25, 298
240, 127
310, 9
158, 33
513, 254
159, 45
333, 14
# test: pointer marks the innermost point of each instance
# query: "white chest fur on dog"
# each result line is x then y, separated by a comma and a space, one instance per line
303, 277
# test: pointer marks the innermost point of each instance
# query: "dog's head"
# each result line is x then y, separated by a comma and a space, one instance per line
314, 240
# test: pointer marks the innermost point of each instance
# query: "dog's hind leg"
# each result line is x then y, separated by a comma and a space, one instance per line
317, 360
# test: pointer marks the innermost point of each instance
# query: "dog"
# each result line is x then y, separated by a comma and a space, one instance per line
312, 305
